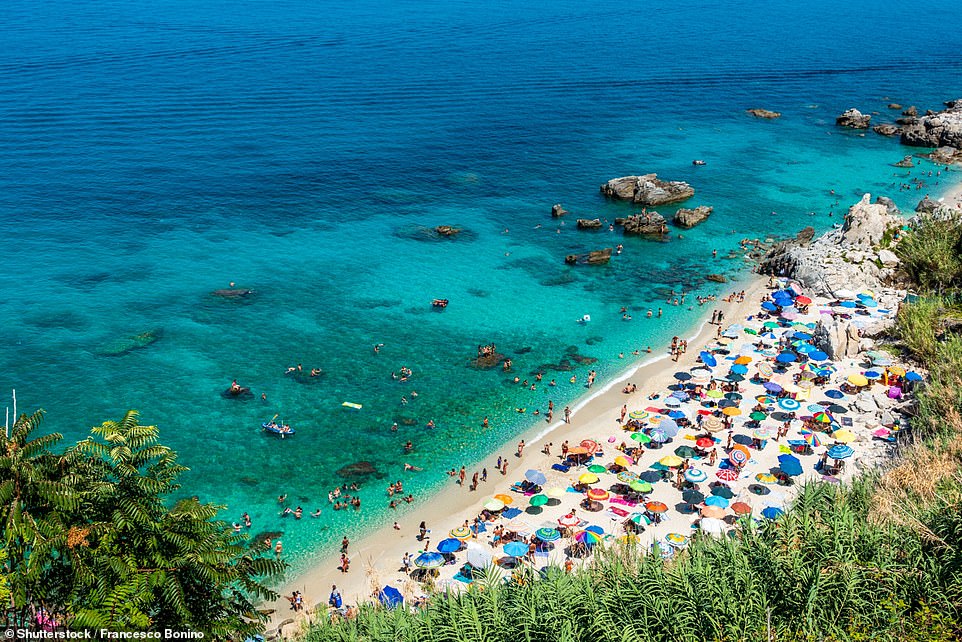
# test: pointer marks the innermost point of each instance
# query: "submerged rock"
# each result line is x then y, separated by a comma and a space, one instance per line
853, 119
595, 257
763, 113
447, 230
717, 278
358, 469
120, 347
647, 190
232, 293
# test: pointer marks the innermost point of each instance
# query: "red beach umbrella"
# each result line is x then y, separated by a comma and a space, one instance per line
656, 507
705, 442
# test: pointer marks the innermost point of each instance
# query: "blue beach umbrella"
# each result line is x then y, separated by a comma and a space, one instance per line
658, 436
682, 376
768, 306
789, 404
695, 475
786, 357
429, 559
772, 512
390, 597
676, 414
595, 529
449, 545
669, 427
535, 477
547, 534
715, 500
739, 369
840, 451
848, 304
913, 376
772, 387
806, 348
802, 335
790, 465
708, 359
869, 303
515, 549
834, 394
871, 374
817, 355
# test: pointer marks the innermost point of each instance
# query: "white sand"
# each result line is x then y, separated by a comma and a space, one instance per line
376, 559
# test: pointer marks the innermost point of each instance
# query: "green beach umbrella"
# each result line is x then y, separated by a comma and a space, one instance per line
685, 451
597, 468
539, 500
715, 394
641, 437
640, 486
770, 324
758, 416
638, 414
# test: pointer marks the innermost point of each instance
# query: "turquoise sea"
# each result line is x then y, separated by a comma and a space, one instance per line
151, 153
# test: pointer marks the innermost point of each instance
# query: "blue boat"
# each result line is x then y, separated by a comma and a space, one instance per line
277, 429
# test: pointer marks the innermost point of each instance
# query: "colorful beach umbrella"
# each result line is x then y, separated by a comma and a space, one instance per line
494, 505
589, 538
857, 380
844, 436
641, 437
822, 418
658, 436
461, 532
762, 433
705, 443
638, 415
515, 549
712, 424
568, 521
695, 475
597, 468
547, 534
588, 478
715, 500
624, 461
598, 494
811, 439
766, 478
790, 464
772, 512
656, 507
429, 559
626, 476
739, 455
789, 404
676, 539
727, 474
713, 511
741, 508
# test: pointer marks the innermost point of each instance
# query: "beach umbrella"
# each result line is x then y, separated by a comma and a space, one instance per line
913, 376
822, 418
591, 445
692, 496
815, 407
640, 486
547, 534
789, 314
772, 512
677, 414
768, 306
727, 403
676, 539
656, 507
626, 476
789, 404
461, 532
538, 500
682, 376
740, 508
429, 559
772, 387
700, 374
638, 414
597, 468
715, 512
771, 325
872, 374
641, 437
695, 475
658, 436
790, 465
536, 477
685, 451
804, 348
765, 369
762, 433
671, 461
712, 424
758, 416
739, 455
515, 549
715, 394
786, 357
588, 478
844, 436
598, 494
739, 369
708, 359
624, 461
705, 442
733, 396
681, 394
390, 597
732, 411
857, 380
712, 526
715, 500
672, 402
494, 505
898, 371
555, 491
568, 521
766, 478
669, 427
594, 528
765, 399
803, 300
743, 360
840, 452
449, 545
727, 474
848, 305
722, 491
589, 538
811, 439
817, 355
507, 499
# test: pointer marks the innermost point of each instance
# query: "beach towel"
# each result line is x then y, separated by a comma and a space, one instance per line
619, 512
622, 501
560, 467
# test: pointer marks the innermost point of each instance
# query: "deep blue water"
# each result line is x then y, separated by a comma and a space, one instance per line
153, 152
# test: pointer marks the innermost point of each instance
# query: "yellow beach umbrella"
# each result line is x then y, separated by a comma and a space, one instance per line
898, 371
844, 436
588, 478
671, 461
857, 380
731, 411
743, 360
623, 461
494, 505
507, 499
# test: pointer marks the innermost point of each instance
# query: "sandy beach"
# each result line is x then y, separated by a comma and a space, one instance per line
376, 559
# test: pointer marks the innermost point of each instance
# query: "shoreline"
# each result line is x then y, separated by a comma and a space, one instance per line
375, 553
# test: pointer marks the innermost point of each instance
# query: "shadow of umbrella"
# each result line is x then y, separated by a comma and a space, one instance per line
650, 476
594, 506
758, 489
553, 501
744, 440
778, 415
534, 510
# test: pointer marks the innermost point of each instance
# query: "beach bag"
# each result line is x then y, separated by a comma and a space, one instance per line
335, 599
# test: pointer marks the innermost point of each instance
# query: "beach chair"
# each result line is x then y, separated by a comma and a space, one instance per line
560, 467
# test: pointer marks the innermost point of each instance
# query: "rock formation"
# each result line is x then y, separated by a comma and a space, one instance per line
845, 258
907, 161
853, 119
941, 129
651, 223
647, 190
838, 338
447, 230
557, 211
717, 278
690, 218
594, 257
895, 106
911, 111
927, 206
589, 224
763, 113
886, 129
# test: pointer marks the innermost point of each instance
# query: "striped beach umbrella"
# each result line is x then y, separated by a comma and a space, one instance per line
739, 455
429, 559
589, 538
598, 494
811, 439
547, 534
638, 414
840, 452
676, 539
695, 475
461, 532
727, 474
766, 478
712, 424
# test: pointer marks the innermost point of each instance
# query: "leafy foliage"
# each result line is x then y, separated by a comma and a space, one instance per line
92, 540
931, 253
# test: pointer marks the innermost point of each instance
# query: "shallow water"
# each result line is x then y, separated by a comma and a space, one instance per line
153, 154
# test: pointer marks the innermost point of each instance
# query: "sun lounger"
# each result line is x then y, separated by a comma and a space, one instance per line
560, 467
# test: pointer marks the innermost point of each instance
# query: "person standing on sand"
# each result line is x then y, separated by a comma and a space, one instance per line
504, 467
344, 544
461, 476
624, 411
567, 415
520, 447
484, 474
564, 446
474, 481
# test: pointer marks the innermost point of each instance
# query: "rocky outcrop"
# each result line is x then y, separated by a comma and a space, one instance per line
945, 156
887, 258
836, 337
895, 106
447, 230
845, 258
690, 218
595, 257
589, 223
651, 223
647, 190
927, 206
907, 161
763, 113
717, 278
912, 111
853, 119
887, 129
941, 129
889, 205
557, 211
